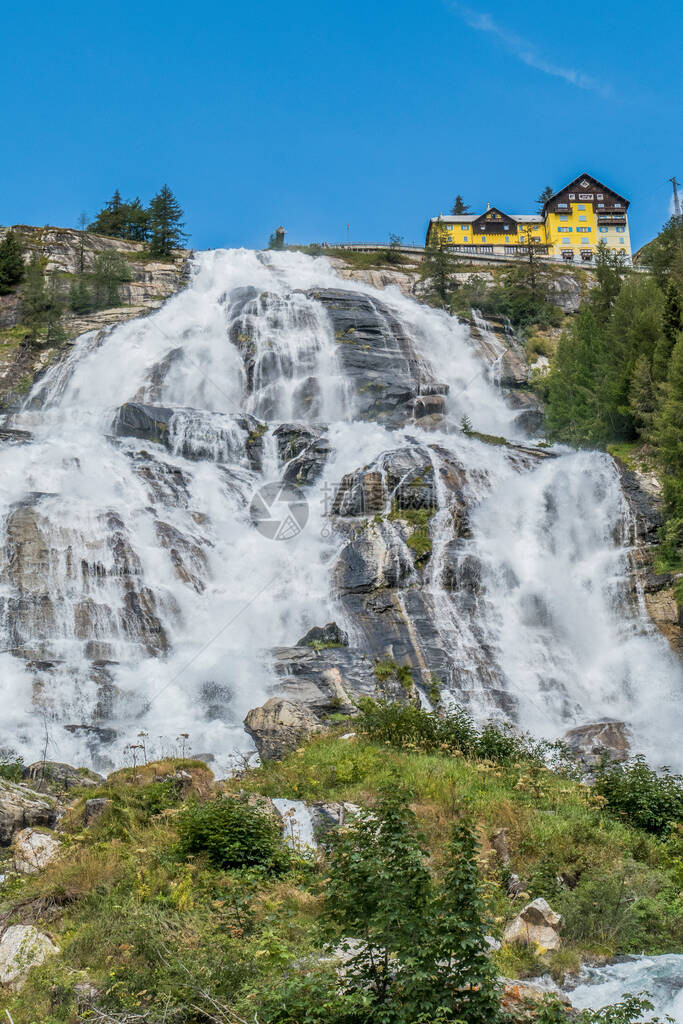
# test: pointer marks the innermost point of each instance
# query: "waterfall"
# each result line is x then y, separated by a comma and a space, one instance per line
137, 594
660, 976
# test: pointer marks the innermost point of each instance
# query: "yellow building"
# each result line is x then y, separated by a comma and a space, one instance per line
570, 226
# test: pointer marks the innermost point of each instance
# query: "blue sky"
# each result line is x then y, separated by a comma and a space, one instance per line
321, 114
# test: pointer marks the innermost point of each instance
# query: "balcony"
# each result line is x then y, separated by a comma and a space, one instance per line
611, 218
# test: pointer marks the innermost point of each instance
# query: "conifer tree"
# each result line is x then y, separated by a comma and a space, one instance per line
11, 262
459, 207
668, 426
165, 223
672, 323
545, 195
34, 298
438, 269
466, 983
111, 220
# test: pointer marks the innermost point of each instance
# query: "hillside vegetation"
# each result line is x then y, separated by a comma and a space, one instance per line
182, 902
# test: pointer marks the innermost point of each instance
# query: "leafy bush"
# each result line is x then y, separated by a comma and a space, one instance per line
637, 793
231, 834
451, 731
11, 766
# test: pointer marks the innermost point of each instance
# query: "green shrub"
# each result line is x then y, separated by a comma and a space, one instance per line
11, 766
447, 731
637, 793
231, 834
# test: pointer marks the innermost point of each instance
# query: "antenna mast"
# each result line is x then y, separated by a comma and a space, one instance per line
677, 202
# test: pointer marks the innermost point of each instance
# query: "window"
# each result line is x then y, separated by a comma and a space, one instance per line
463, 227
617, 206
621, 230
582, 206
585, 230
564, 229
483, 238
507, 227
603, 230
599, 196
466, 239
583, 218
572, 195
564, 206
585, 195
507, 238
564, 216
601, 206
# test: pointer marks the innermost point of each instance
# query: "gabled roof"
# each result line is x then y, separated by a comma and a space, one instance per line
469, 218
576, 182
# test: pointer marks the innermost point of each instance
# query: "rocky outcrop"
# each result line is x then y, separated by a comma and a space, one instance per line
33, 850
537, 925
590, 743
22, 947
378, 357
151, 282
47, 775
21, 807
194, 434
643, 492
279, 726
95, 808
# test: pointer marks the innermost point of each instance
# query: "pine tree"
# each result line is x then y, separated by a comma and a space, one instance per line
11, 262
438, 269
137, 221
466, 983
545, 196
672, 323
642, 395
80, 297
34, 298
668, 425
166, 226
111, 220
459, 207
109, 272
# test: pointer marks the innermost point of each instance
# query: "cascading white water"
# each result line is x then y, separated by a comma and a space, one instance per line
136, 594
660, 976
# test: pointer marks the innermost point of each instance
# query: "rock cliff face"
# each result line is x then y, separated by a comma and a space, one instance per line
151, 283
643, 493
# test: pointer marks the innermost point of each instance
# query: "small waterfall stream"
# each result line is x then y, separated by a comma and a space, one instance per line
137, 595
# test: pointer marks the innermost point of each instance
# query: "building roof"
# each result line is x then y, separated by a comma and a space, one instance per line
575, 181
520, 218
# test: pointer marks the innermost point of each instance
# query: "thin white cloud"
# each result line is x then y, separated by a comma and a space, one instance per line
525, 51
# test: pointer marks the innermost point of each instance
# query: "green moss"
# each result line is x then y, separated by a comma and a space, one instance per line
625, 453
402, 674
420, 540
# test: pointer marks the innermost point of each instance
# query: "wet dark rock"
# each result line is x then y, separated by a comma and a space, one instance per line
10, 436
294, 438
531, 415
329, 635
98, 734
327, 680
308, 466
209, 436
378, 357
592, 742
376, 558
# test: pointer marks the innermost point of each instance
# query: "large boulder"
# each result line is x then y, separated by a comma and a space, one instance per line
279, 726
537, 924
56, 774
376, 558
33, 850
22, 947
21, 807
592, 742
